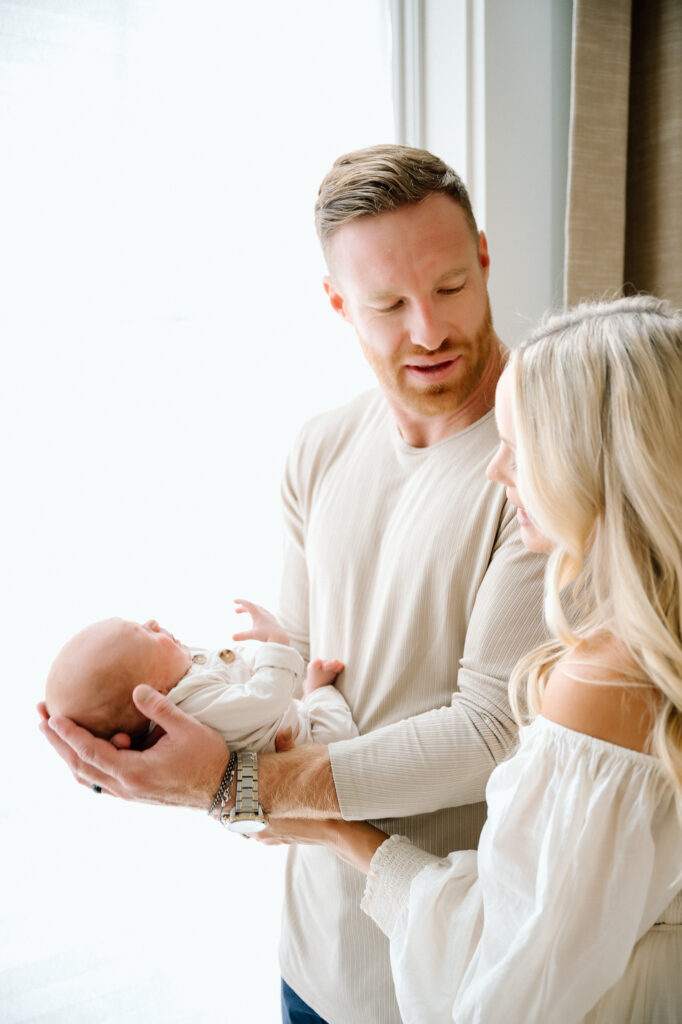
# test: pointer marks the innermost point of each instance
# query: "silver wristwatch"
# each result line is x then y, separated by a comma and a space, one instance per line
246, 817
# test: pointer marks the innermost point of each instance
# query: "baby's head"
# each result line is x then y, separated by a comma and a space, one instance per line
95, 673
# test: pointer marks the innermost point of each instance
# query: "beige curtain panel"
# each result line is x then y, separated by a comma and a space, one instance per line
624, 209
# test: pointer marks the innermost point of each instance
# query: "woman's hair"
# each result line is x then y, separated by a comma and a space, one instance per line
597, 406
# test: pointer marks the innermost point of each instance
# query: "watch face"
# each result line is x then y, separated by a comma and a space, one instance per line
247, 826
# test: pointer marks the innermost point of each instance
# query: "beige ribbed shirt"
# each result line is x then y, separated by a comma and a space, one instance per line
405, 563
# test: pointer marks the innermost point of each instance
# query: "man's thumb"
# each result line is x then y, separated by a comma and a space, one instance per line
156, 706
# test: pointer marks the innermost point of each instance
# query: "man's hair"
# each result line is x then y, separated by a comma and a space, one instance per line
368, 182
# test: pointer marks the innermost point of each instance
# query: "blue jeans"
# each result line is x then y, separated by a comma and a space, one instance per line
294, 1010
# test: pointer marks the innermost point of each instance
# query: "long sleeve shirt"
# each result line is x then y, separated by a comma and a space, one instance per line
405, 563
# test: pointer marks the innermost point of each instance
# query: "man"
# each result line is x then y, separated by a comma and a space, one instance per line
401, 558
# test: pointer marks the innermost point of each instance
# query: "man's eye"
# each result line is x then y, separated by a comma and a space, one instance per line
451, 291
391, 309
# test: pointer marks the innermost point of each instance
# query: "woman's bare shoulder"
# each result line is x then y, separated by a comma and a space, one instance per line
594, 689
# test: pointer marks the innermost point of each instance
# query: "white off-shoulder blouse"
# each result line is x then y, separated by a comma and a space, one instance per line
571, 910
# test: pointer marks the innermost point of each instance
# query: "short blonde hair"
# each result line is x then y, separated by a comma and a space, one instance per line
597, 406
380, 179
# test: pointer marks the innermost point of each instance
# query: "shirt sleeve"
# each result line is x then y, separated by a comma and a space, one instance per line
294, 590
579, 857
243, 710
443, 758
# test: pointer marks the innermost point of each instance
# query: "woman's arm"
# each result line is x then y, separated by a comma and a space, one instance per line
356, 842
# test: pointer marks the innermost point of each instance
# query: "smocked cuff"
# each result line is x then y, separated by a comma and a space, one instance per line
394, 867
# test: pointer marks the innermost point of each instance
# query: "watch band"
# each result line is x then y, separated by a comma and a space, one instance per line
223, 794
246, 801
247, 815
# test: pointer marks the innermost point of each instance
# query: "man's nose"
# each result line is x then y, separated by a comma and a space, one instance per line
427, 330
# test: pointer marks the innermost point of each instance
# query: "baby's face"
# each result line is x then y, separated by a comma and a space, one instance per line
162, 658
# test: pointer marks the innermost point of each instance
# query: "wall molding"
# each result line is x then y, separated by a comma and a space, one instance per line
407, 29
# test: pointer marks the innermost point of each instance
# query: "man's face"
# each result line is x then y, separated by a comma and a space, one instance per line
412, 282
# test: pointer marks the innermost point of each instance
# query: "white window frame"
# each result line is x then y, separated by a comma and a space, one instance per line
485, 84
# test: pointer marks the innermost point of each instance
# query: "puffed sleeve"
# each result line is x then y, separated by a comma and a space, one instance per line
579, 857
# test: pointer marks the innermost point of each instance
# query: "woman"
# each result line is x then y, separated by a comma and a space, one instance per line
571, 910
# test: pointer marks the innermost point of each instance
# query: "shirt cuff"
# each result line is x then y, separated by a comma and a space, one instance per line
393, 868
364, 771
271, 655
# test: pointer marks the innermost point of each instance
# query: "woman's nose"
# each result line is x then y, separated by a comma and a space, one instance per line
495, 470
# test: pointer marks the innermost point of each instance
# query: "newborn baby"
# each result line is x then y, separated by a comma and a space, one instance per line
245, 692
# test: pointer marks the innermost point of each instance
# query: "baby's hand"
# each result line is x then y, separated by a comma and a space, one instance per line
321, 673
265, 626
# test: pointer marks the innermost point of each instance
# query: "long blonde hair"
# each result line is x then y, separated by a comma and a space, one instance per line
597, 406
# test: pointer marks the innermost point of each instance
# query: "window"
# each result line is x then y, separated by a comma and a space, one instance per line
165, 334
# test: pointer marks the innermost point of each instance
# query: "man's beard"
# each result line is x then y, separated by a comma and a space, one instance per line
441, 397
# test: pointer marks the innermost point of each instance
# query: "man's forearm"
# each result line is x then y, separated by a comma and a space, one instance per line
298, 783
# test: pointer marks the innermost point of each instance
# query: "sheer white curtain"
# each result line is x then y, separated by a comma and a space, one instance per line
164, 334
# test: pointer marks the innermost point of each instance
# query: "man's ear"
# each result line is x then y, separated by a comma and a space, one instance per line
483, 254
336, 299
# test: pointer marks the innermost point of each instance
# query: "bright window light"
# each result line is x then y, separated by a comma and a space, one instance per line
165, 334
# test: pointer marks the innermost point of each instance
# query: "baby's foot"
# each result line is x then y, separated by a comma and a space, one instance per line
321, 673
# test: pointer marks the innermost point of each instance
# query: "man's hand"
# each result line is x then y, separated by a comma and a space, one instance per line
265, 626
184, 767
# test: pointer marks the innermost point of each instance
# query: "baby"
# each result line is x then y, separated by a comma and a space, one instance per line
245, 692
